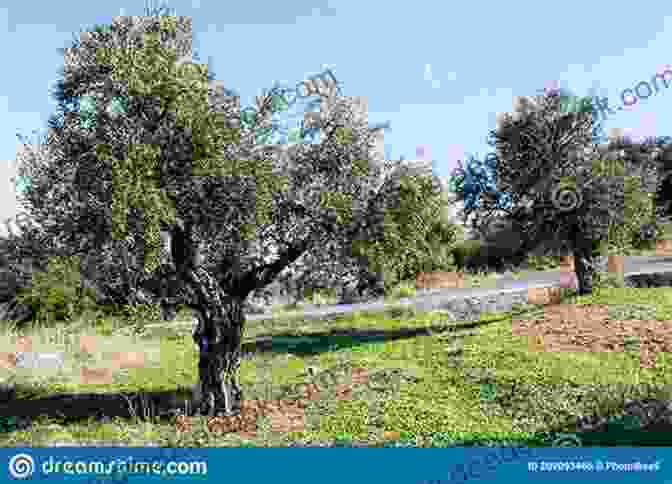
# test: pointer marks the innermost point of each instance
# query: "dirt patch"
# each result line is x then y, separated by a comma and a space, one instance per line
285, 415
570, 327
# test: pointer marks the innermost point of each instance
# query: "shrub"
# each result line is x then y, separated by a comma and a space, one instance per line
418, 236
57, 295
406, 291
403, 290
543, 262
464, 251
607, 280
137, 315
319, 296
442, 238
627, 237
608, 168
474, 256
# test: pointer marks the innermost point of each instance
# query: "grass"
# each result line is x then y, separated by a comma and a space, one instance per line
394, 378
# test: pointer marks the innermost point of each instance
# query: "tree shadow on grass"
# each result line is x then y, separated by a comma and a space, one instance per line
315, 343
632, 419
641, 423
164, 404
319, 342
620, 431
78, 407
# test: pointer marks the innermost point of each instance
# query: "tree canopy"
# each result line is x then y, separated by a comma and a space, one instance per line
545, 160
150, 163
158, 154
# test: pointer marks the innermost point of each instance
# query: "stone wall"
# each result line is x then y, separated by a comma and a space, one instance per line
660, 279
472, 307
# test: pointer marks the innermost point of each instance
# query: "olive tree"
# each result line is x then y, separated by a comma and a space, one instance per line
80, 94
546, 161
170, 161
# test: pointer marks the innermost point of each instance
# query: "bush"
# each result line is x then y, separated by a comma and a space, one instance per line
137, 315
607, 280
418, 236
56, 295
626, 238
474, 256
406, 291
403, 290
464, 251
543, 262
319, 296
441, 239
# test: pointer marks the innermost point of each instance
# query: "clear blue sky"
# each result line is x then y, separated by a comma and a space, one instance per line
438, 71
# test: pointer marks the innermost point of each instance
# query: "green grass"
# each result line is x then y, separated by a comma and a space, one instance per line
432, 382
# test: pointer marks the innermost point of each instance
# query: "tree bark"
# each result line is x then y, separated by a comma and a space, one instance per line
218, 336
587, 262
218, 305
584, 269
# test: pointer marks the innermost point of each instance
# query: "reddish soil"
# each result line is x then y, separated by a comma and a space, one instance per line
570, 327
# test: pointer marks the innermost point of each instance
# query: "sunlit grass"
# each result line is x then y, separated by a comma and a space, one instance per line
425, 388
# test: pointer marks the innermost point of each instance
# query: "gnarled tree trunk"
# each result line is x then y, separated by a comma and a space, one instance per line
584, 268
587, 262
218, 304
218, 336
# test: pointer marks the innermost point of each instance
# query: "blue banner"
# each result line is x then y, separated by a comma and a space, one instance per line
338, 465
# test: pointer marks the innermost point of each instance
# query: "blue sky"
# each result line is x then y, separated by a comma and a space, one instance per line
439, 72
